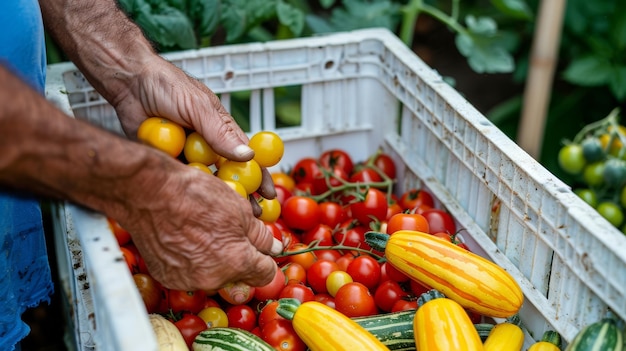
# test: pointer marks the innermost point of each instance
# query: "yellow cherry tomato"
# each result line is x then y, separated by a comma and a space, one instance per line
162, 134
201, 166
285, 180
247, 173
196, 149
336, 280
237, 187
268, 148
214, 317
270, 209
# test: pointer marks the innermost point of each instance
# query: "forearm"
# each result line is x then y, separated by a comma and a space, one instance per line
99, 38
51, 154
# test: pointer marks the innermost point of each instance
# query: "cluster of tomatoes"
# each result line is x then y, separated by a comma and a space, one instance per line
324, 207
596, 158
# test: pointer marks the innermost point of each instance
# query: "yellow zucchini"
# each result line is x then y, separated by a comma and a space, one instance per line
465, 277
442, 324
323, 328
505, 336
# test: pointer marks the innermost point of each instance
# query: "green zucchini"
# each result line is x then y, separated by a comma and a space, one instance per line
603, 335
394, 329
229, 339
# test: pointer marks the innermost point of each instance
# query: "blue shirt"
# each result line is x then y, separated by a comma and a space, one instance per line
25, 279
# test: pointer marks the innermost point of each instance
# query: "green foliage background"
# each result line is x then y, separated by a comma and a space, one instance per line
494, 36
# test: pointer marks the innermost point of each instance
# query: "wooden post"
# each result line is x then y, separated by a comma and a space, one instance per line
544, 57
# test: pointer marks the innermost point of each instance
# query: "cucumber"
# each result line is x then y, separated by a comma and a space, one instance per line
229, 339
394, 329
603, 335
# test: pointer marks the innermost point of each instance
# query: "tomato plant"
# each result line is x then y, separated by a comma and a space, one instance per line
355, 300
351, 234
439, 221
385, 163
163, 135
571, 158
336, 280
300, 256
372, 208
190, 325
414, 198
337, 158
299, 291
306, 170
387, 294
300, 212
268, 148
196, 149
283, 179
282, 193
404, 305
322, 234
365, 175
332, 214
268, 313
294, 271
186, 301
246, 173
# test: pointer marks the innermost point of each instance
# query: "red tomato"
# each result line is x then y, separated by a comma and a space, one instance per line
297, 291
281, 336
237, 293
365, 175
186, 301
318, 272
131, 260
295, 271
330, 177
404, 305
273, 288
344, 261
393, 273
387, 294
140, 261
413, 198
407, 221
305, 259
268, 313
326, 299
386, 164
336, 158
355, 300
365, 270
190, 325
440, 221
150, 291
300, 212
241, 316
328, 255
121, 235
321, 233
351, 234
417, 288
282, 193
372, 208
445, 236
332, 214
305, 170
392, 209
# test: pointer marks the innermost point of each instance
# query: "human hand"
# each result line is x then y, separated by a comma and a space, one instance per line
163, 90
192, 234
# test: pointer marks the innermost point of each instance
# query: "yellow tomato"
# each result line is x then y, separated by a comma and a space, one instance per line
270, 209
268, 148
196, 149
162, 134
214, 317
285, 180
247, 173
201, 166
336, 280
237, 187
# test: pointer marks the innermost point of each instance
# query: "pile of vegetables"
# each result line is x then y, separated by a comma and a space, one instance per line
362, 267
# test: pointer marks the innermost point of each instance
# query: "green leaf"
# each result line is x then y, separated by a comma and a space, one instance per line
290, 17
240, 15
618, 83
588, 71
515, 8
357, 14
484, 47
327, 3
205, 14
167, 26
617, 30
318, 24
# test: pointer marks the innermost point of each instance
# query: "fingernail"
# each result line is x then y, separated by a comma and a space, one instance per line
243, 151
277, 247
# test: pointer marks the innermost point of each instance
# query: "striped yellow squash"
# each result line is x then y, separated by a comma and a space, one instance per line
505, 337
322, 328
469, 279
442, 324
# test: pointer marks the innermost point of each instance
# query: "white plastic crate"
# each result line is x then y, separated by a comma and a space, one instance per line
358, 90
